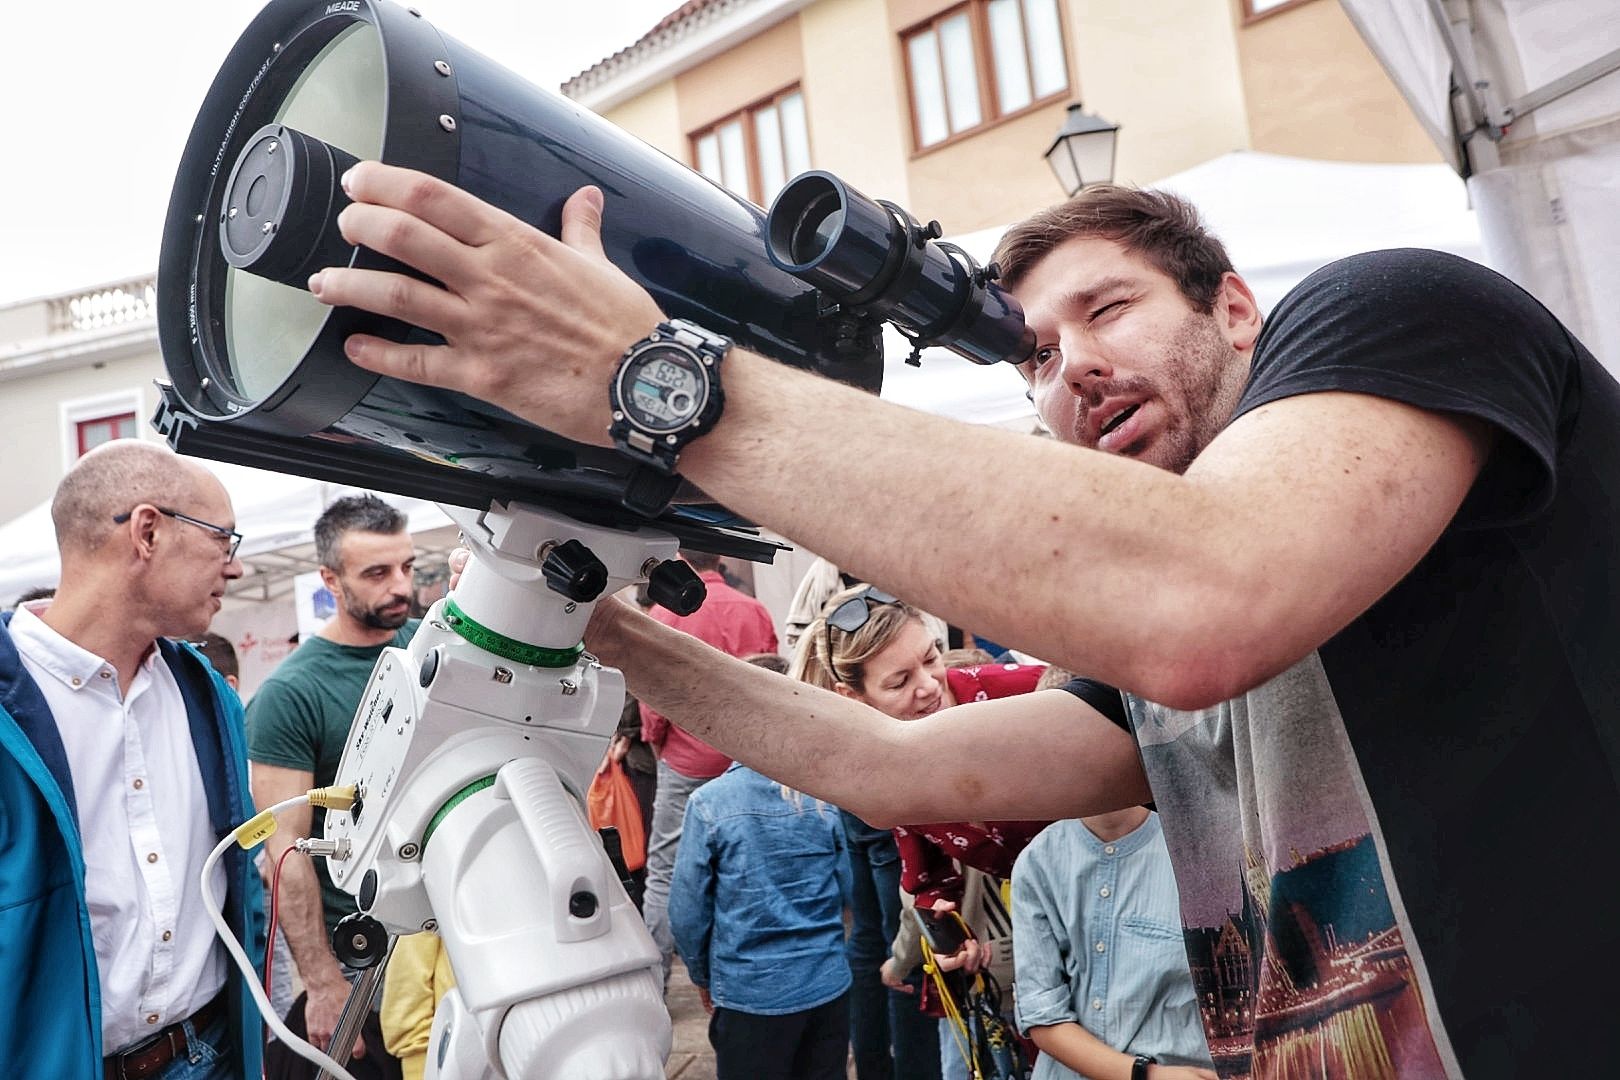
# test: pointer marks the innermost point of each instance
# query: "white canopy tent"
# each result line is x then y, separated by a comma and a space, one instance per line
1523, 98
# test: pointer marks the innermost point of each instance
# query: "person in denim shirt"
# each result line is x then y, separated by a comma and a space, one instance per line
1100, 967
757, 911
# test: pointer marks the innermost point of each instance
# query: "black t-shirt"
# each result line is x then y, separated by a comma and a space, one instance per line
1399, 858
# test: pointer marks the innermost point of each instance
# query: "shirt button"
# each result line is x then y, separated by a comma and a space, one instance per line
1101, 947
151, 856
1096, 1004
104, 673
151, 1018
1109, 850
76, 681
1105, 892
168, 934
139, 783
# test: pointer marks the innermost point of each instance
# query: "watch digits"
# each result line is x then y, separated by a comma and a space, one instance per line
666, 392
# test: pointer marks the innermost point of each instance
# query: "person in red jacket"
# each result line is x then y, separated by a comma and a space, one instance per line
734, 623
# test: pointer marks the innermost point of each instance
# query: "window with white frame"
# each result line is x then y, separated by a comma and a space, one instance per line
980, 61
88, 422
755, 151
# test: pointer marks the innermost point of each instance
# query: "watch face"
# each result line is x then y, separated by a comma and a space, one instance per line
663, 388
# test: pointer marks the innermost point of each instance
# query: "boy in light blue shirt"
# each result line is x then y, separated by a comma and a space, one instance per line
1100, 966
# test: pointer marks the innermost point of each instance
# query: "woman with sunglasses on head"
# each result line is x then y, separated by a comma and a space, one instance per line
875, 649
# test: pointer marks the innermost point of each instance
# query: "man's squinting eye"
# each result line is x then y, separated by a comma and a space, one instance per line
1100, 312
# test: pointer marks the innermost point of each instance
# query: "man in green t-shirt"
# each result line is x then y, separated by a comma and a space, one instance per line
298, 722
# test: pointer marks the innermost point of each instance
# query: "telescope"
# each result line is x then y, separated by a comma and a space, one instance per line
470, 752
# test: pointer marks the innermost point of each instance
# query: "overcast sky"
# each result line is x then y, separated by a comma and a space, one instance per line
98, 98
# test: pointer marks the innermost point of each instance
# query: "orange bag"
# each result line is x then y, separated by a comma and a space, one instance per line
612, 801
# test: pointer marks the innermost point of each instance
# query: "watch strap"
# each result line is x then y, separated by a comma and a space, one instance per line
1139, 1066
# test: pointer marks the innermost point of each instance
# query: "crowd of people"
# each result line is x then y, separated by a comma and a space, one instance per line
1337, 587
800, 924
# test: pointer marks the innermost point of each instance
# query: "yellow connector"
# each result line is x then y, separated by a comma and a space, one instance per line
256, 830
334, 798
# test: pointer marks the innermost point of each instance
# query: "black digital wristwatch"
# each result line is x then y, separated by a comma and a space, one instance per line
666, 392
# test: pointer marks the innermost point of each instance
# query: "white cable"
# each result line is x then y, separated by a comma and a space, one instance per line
299, 1046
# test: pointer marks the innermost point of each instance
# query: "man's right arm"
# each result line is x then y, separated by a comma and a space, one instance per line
299, 910
1185, 589
972, 761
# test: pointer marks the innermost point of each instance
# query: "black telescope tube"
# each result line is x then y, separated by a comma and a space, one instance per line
873, 257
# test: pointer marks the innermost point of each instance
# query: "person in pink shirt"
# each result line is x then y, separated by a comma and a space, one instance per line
734, 623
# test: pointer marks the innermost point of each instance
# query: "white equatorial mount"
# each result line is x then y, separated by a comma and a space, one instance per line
472, 750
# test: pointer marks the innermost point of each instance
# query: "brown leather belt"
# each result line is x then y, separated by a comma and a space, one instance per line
149, 1056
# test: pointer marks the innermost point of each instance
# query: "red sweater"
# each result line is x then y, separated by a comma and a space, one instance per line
732, 622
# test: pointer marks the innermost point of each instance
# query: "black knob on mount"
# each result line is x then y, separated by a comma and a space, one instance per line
677, 587
358, 940
572, 570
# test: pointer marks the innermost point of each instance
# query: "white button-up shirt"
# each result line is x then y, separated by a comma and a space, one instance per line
143, 821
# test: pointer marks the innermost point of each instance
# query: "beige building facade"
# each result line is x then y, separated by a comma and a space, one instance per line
1186, 80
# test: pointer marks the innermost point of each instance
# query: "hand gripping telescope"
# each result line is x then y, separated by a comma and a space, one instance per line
471, 751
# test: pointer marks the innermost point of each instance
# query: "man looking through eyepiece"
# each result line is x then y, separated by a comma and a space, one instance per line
1356, 575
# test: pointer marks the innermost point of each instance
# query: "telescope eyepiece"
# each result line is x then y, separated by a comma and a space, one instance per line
874, 258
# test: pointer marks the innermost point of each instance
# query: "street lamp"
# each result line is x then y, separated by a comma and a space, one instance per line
1082, 154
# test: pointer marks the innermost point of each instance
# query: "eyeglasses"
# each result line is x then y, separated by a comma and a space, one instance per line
231, 536
853, 614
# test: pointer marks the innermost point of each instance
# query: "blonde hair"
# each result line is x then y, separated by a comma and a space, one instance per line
850, 651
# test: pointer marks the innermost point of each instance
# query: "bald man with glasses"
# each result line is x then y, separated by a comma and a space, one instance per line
122, 763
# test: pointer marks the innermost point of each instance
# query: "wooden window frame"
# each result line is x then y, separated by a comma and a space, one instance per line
750, 143
991, 114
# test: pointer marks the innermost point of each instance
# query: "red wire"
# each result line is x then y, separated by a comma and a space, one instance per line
270, 937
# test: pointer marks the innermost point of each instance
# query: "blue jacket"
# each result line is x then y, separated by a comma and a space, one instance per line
50, 1015
756, 906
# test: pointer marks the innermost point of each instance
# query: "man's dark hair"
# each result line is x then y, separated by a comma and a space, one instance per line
220, 653
1162, 228
352, 513
701, 560
42, 592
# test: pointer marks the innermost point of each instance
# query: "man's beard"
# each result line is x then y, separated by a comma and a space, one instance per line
374, 617
1207, 391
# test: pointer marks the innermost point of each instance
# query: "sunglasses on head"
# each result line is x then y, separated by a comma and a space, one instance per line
853, 614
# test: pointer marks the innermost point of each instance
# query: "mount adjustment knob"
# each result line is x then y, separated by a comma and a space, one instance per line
676, 586
571, 569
